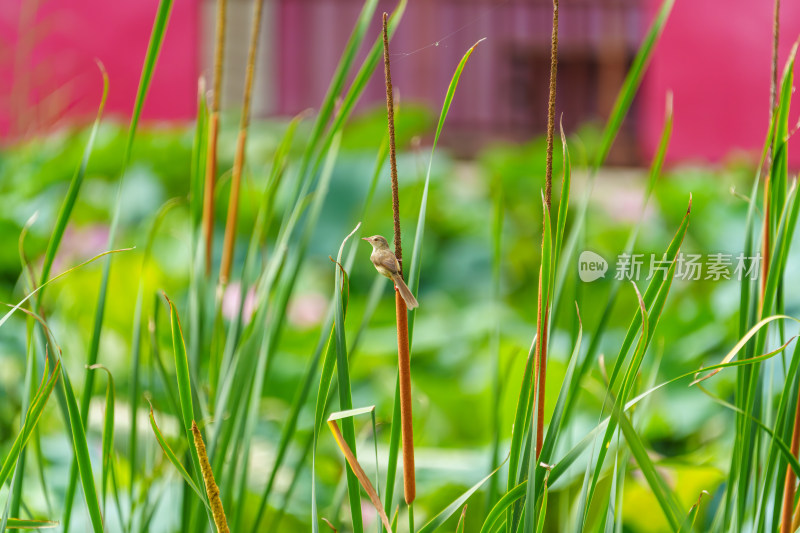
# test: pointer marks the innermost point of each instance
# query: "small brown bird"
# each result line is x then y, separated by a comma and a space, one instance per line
386, 263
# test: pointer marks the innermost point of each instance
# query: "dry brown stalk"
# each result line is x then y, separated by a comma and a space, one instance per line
540, 369
403, 351
238, 162
213, 130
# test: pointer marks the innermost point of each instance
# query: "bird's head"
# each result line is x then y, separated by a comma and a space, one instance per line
377, 242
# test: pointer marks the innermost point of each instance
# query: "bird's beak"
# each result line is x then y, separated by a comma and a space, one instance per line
364, 238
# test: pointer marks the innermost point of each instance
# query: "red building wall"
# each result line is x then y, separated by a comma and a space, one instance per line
715, 56
49, 71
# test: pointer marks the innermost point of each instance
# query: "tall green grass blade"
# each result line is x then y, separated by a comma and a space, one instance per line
661, 491
416, 257
343, 374
567, 389
184, 387
270, 337
563, 204
541, 335
521, 420
632, 81
341, 298
153, 49
82, 458
542, 510
108, 434
494, 336
197, 171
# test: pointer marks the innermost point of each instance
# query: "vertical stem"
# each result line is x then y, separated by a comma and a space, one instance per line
406, 420
542, 307
773, 98
551, 106
789, 483
208, 190
403, 351
398, 251
213, 128
238, 163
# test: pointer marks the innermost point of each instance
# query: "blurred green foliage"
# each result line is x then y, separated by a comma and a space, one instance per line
451, 350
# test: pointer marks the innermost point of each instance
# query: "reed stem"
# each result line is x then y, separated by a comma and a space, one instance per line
213, 130
239, 159
543, 307
403, 350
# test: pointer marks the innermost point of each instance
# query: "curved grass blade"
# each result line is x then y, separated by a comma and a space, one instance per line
17, 523
68, 204
8, 314
438, 520
177, 463
503, 504
31, 420
374, 495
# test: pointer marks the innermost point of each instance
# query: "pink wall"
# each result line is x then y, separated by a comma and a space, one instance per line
715, 56
67, 37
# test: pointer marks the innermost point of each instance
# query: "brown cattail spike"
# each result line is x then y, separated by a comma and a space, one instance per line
212, 490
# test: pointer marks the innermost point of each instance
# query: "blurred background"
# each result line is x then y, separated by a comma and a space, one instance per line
714, 56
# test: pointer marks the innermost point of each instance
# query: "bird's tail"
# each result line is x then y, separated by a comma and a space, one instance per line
405, 292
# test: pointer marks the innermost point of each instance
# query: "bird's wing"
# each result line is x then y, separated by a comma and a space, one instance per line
389, 262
